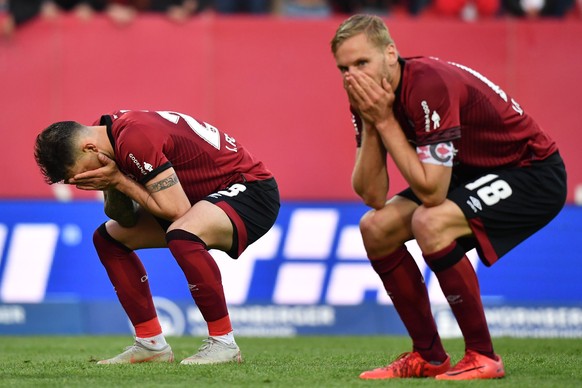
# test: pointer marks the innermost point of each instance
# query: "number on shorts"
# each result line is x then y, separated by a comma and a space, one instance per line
493, 192
232, 191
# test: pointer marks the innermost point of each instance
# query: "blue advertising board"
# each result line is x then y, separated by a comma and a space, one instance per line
308, 275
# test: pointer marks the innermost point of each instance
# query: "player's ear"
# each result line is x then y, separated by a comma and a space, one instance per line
391, 53
90, 147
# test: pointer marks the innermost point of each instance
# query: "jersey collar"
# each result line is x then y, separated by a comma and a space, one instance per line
402, 63
106, 120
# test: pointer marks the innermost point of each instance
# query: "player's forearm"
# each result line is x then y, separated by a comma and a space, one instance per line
369, 177
163, 206
120, 207
427, 187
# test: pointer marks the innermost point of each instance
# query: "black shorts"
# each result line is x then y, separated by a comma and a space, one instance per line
252, 207
505, 207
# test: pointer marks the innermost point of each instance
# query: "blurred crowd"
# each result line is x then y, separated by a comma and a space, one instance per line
17, 12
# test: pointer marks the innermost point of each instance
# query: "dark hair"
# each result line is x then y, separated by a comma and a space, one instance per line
54, 150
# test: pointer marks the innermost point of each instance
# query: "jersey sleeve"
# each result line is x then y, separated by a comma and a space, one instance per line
434, 109
141, 151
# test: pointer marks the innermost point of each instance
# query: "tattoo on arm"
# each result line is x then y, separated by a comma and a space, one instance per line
163, 184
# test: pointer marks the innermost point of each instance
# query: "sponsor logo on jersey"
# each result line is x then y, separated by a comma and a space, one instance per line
143, 169
435, 118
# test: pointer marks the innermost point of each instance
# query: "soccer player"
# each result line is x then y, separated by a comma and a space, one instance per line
169, 180
481, 174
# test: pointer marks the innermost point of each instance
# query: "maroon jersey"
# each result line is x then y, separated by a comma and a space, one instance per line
439, 101
205, 159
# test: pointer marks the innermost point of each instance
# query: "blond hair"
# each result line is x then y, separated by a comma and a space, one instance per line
372, 26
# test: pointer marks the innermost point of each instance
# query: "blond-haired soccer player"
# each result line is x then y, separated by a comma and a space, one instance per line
481, 174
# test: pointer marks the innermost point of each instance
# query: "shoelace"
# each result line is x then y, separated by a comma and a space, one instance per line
207, 347
130, 347
402, 364
467, 362
133, 348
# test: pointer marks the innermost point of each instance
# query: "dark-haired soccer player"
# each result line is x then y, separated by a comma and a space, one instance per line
169, 181
481, 173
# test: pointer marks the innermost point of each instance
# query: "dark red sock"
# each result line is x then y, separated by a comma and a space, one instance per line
405, 286
202, 273
129, 278
459, 283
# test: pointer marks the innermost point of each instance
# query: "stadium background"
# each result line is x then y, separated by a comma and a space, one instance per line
272, 83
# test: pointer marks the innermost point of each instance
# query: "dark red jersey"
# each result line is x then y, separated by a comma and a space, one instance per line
438, 101
205, 159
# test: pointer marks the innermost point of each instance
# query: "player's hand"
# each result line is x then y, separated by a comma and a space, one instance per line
374, 101
103, 178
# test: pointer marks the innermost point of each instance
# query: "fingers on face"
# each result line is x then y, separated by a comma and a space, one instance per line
361, 88
356, 93
365, 90
104, 159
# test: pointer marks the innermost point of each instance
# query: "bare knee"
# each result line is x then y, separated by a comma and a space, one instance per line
428, 227
380, 237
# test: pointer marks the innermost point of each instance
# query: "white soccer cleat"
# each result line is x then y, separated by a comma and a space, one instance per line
138, 353
214, 352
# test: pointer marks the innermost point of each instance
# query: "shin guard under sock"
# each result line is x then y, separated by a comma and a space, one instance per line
405, 286
459, 283
130, 281
204, 279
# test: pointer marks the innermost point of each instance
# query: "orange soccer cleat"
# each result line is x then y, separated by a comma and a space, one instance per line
408, 365
475, 366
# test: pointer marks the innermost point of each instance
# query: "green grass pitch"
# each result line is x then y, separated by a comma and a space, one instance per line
306, 361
